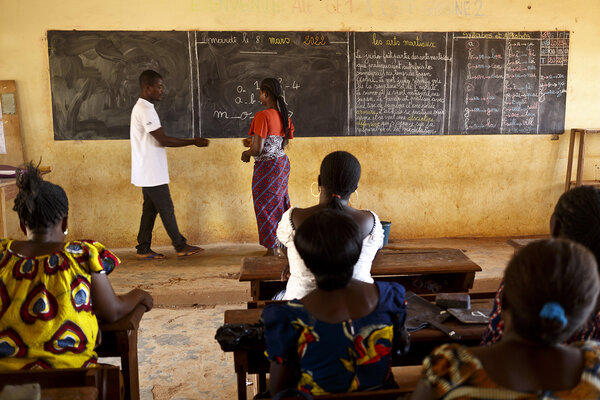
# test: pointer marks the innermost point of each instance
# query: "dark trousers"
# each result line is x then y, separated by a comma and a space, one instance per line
157, 200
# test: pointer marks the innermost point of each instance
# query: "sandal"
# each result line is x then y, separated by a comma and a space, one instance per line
150, 256
189, 250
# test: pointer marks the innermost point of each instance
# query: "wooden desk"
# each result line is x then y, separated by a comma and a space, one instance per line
579, 177
519, 243
421, 344
102, 382
423, 271
79, 393
119, 339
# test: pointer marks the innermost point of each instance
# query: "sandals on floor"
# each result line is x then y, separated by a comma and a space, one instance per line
190, 251
150, 256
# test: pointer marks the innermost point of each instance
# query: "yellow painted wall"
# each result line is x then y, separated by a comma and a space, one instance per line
427, 186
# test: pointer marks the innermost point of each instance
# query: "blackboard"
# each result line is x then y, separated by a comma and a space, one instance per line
509, 82
94, 81
335, 83
312, 69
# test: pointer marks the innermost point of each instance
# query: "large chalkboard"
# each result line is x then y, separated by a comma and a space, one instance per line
94, 81
335, 83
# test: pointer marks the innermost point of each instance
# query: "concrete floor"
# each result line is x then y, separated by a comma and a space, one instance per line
178, 356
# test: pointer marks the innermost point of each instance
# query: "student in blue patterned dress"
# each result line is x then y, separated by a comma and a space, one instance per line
271, 130
51, 291
576, 217
337, 338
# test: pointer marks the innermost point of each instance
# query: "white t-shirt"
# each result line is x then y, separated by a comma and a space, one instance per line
148, 158
301, 280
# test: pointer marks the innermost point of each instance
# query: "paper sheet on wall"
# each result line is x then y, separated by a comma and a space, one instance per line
2, 142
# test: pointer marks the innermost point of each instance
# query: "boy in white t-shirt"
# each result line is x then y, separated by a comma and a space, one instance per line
149, 168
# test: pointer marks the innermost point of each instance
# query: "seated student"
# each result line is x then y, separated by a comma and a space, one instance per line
52, 291
550, 289
338, 179
337, 338
576, 217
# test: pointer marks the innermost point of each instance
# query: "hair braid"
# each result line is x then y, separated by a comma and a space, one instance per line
39, 204
273, 87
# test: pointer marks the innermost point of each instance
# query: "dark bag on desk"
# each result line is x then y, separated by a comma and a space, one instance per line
401, 341
241, 336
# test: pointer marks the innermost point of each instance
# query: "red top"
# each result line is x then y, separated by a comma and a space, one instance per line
268, 123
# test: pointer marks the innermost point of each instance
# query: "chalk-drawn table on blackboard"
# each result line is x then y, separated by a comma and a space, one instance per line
335, 83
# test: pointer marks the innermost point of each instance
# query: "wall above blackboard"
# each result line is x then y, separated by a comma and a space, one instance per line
336, 83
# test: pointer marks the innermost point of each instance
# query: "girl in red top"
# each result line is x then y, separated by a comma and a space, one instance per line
271, 130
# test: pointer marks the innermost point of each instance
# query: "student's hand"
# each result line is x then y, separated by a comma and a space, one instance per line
245, 156
146, 299
201, 142
247, 142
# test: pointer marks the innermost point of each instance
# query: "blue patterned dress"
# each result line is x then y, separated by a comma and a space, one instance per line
352, 355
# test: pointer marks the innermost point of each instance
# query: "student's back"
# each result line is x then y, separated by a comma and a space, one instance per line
338, 338
576, 217
551, 287
338, 179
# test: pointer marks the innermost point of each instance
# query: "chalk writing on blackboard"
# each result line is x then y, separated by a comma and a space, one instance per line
400, 83
335, 83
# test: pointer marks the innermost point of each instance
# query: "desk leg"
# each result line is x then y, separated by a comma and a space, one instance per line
127, 343
240, 362
255, 290
469, 281
3, 206
569, 160
262, 382
579, 176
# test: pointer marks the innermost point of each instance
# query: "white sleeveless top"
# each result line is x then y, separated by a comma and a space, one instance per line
301, 280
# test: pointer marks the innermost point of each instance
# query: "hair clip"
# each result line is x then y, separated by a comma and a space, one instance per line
553, 310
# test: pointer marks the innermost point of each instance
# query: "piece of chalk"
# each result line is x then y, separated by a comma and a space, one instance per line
453, 300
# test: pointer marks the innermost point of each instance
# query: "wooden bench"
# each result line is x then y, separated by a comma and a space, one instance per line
519, 243
105, 379
423, 271
119, 339
391, 394
422, 342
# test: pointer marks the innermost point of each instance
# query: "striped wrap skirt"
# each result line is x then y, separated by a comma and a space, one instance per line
270, 195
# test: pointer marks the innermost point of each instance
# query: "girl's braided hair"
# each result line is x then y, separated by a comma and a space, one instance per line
39, 204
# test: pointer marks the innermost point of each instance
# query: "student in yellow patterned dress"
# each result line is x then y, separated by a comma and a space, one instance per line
51, 291
550, 289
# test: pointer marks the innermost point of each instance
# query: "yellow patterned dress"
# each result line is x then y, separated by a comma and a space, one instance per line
453, 372
46, 315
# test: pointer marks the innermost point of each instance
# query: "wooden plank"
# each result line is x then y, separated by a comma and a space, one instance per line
520, 243
12, 127
467, 331
395, 262
570, 159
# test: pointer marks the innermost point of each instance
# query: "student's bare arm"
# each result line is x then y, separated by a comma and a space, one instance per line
169, 141
255, 149
281, 377
108, 306
422, 392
